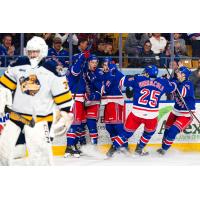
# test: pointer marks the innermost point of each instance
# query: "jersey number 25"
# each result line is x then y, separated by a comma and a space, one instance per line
153, 100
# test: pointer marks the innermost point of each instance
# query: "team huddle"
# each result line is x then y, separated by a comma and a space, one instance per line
33, 87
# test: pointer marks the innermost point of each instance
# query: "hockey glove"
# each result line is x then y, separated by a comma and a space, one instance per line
129, 92
62, 122
86, 54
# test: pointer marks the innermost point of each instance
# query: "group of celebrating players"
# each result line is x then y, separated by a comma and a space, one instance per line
77, 95
91, 86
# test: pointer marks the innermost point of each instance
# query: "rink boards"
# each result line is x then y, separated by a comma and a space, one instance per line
189, 140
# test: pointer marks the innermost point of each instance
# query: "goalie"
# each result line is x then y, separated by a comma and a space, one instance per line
37, 85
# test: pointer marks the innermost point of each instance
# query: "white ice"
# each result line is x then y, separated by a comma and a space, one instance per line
93, 157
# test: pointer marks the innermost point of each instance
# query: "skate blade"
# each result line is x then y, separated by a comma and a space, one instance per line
142, 154
68, 155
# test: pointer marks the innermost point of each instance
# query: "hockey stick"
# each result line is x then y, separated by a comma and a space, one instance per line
180, 96
20, 118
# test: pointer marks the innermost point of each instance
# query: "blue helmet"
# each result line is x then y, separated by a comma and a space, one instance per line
151, 70
93, 57
107, 59
185, 71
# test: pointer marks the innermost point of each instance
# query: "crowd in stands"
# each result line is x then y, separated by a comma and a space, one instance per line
140, 49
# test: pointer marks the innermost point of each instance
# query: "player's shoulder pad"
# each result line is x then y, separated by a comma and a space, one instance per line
22, 60
52, 66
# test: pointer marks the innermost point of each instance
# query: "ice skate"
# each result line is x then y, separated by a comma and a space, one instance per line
161, 151
111, 151
71, 152
125, 150
82, 141
140, 151
77, 148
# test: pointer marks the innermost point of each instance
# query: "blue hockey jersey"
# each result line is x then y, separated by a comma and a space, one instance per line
62, 57
76, 81
94, 86
147, 94
113, 87
186, 90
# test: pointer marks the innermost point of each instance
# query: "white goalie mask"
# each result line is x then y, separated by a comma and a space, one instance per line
36, 44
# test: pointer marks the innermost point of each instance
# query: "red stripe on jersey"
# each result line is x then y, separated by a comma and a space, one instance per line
112, 97
93, 135
71, 135
145, 109
184, 91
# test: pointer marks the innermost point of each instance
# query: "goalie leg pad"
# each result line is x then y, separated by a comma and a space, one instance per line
39, 144
8, 141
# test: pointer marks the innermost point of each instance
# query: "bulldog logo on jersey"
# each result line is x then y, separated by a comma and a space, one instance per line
30, 85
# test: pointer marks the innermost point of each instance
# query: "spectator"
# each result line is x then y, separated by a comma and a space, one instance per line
82, 46
158, 43
92, 39
134, 44
174, 65
3, 54
65, 39
195, 78
7, 51
48, 37
100, 48
146, 56
108, 52
165, 57
179, 44
60, 55
195, 42
100, 51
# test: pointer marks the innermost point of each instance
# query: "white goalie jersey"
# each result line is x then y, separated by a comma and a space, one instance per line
36, 90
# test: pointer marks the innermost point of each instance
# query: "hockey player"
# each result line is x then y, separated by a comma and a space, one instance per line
6, 99
78, 87
180, 118
38, 85
94, 86
148, 90
114, 101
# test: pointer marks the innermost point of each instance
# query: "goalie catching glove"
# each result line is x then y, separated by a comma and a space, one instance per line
62, 122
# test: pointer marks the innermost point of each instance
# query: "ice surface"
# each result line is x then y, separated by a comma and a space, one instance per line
92, 157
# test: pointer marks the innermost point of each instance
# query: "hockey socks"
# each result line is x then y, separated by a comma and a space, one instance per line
169, 137
72, 137
92, 126
146, 136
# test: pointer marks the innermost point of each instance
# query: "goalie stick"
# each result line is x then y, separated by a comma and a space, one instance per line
20, 118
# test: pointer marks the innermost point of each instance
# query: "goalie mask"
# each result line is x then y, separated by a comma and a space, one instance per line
36, 50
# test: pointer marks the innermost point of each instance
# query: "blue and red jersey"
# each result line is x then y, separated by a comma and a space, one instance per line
147, 94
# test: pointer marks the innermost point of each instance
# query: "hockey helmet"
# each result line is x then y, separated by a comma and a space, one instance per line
93, 57
151, 70
184, 70
37, 44
107, 59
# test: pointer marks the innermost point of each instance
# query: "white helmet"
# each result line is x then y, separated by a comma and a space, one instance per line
37, 44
